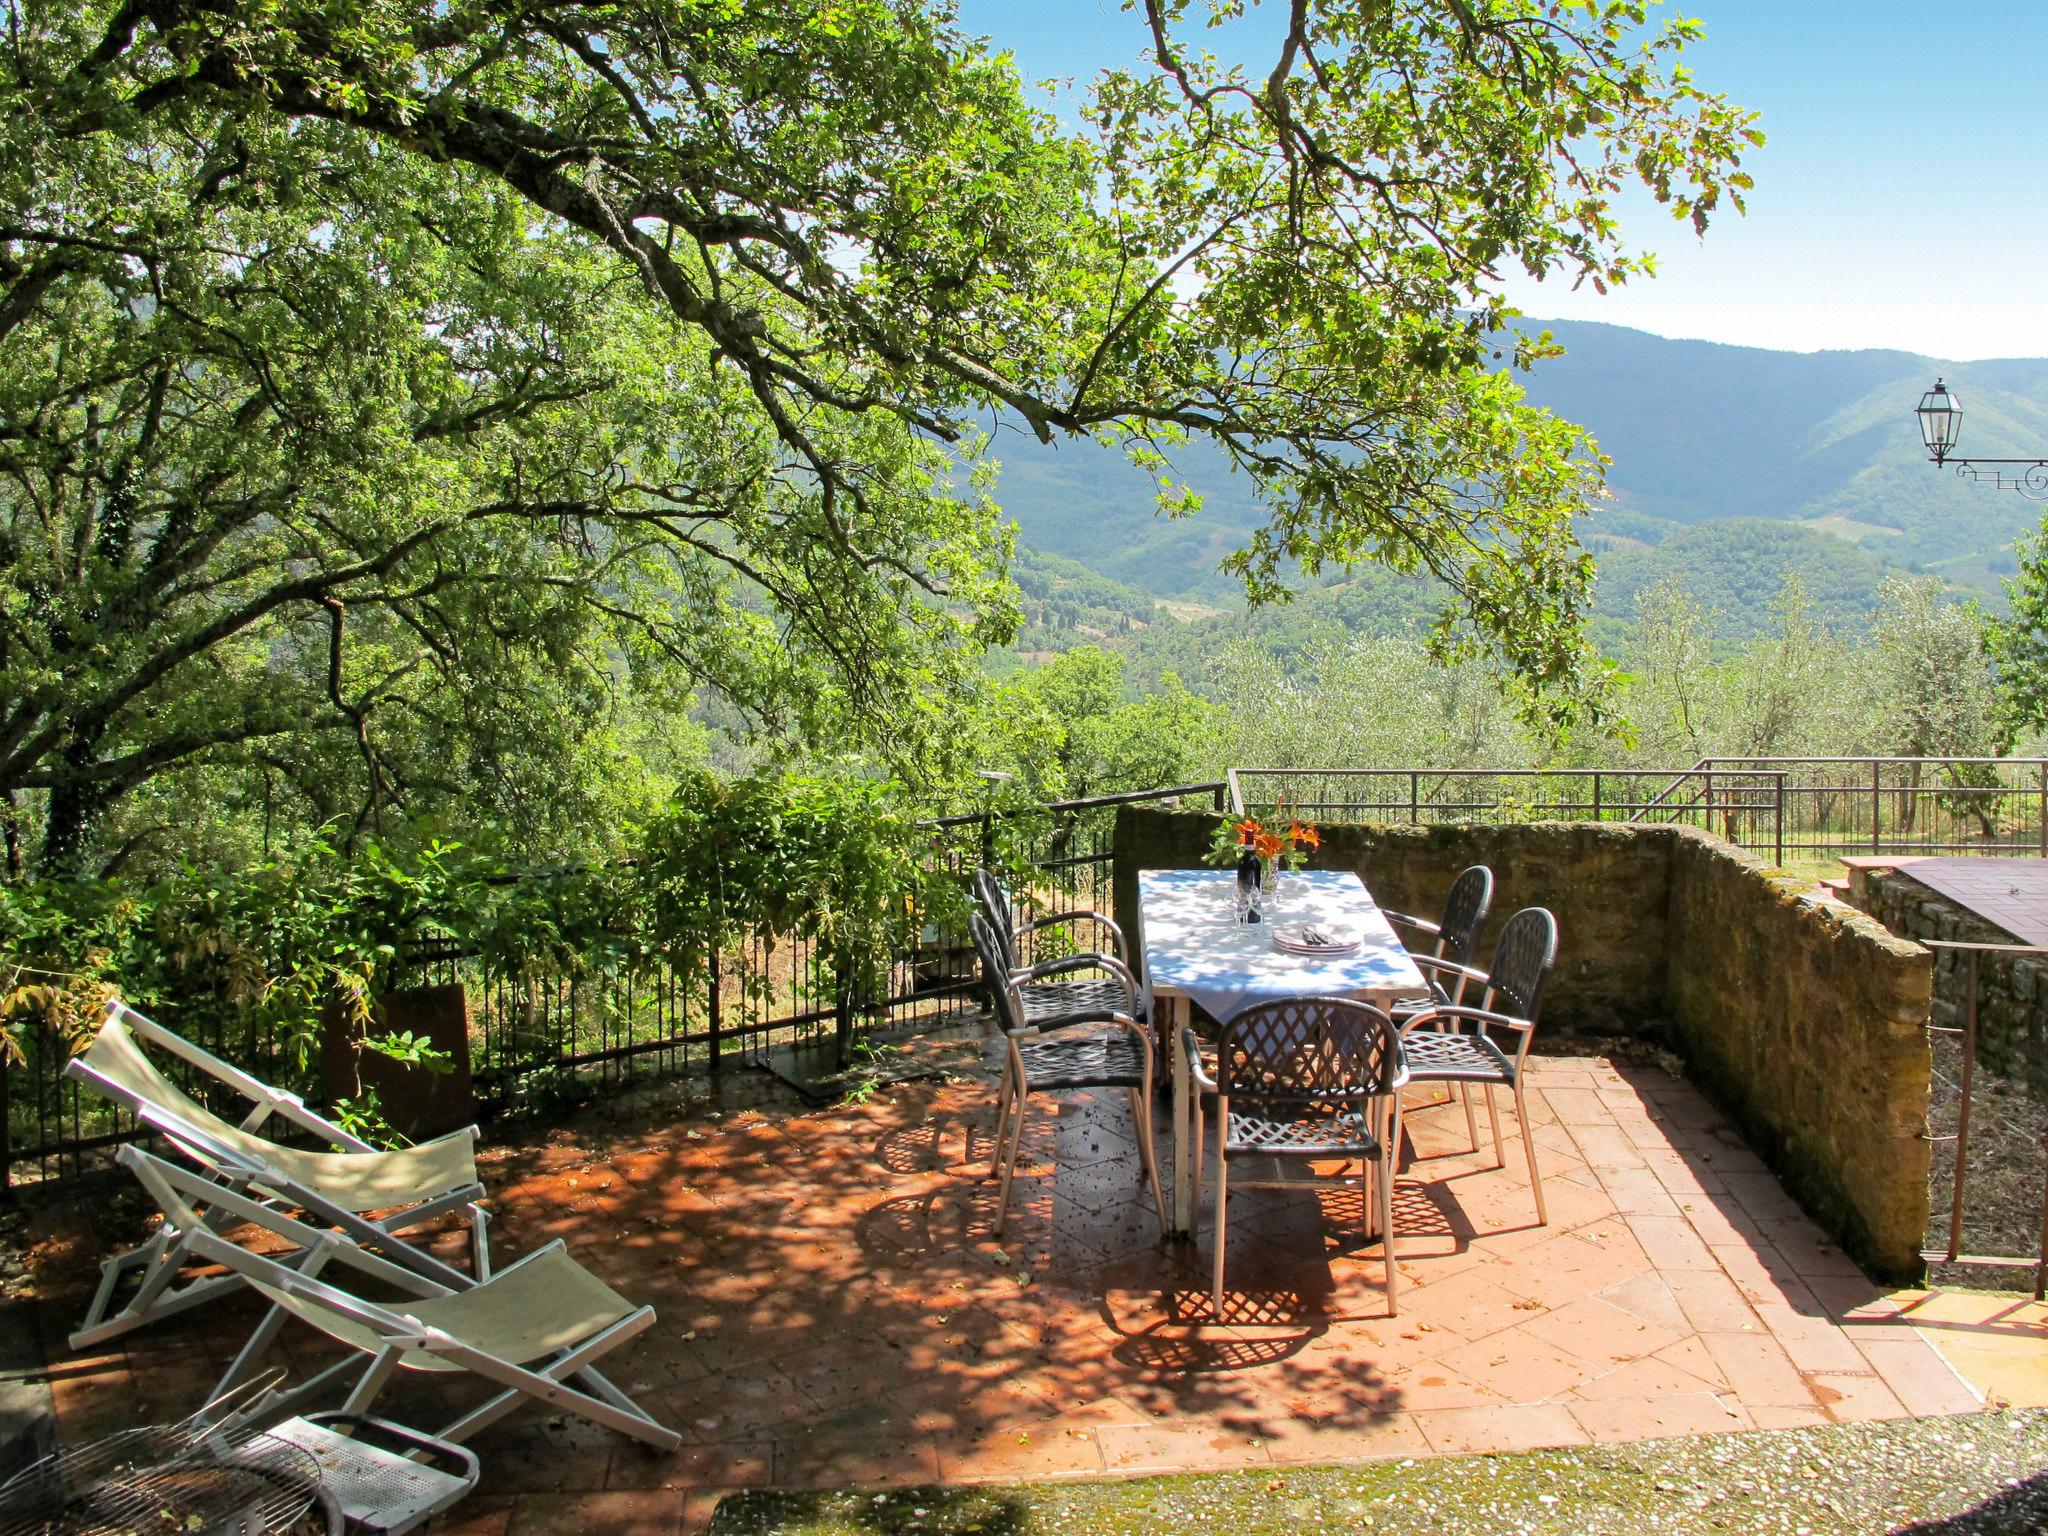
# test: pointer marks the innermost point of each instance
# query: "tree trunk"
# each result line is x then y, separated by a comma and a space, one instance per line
76, 806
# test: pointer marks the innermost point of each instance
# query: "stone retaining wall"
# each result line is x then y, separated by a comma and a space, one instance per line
1610, 975
1804, 1017
2012, 990
1807, 1022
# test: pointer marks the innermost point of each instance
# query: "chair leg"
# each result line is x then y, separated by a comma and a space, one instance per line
480, 1242
1222, 1217
1141, 1108
1500, 1156
1384, 1170
1471, 1124
1003, 1095
1529, 1146
373, 1381
1016, 1150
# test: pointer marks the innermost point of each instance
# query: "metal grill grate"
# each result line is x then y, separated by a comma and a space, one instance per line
166, 1482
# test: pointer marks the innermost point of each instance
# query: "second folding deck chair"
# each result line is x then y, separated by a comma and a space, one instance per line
338, 1189
534, 1330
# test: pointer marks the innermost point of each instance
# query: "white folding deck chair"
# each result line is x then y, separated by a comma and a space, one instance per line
411, 1185
534, 1329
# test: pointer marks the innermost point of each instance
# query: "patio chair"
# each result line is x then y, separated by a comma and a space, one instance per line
534, 1329
411, 1185
1300, 1081
1055, 1004
1108, 1049
1452, 1042
1454, 937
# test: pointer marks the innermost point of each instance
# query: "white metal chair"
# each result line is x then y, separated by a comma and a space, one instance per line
534, 1329
1450, 1042
1299, 1081
341, 1189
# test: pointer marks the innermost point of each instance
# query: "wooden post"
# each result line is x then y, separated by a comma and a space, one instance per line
1596, 794
1876, 802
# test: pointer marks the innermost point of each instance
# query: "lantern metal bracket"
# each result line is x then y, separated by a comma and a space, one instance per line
2031, 482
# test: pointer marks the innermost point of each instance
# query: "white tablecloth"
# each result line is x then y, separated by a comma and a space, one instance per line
1195, 947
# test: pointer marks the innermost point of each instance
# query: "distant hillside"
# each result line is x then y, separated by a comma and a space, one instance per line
1703, 437
1700, 432
1735, 569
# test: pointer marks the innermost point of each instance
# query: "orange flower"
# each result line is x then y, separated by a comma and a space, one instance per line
1267, 845
1304, 835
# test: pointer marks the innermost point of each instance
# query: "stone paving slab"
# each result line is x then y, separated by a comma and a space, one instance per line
836, 1311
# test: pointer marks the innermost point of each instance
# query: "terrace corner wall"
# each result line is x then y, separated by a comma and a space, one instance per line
1807, 1021
1802, 1017
1605, 882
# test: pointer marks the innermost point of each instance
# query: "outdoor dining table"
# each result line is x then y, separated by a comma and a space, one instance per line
1196, 951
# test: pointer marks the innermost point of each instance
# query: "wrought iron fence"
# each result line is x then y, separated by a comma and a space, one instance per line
1835, 806
1745, 804
535, 1032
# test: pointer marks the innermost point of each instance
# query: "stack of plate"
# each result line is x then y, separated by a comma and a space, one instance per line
1314, 939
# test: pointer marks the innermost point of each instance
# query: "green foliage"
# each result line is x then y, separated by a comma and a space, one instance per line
2019, 643
1069, 729
413, 409
266, 953
1936, 696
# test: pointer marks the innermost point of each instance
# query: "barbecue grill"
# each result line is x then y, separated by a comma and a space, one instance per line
173, 1480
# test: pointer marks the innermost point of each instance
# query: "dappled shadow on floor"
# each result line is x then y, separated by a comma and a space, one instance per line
835, 1307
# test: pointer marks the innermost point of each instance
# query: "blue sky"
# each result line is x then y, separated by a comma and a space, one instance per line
1902, 200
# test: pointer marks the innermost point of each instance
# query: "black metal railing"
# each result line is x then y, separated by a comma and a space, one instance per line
1836, 806
1745, 805
535, 1032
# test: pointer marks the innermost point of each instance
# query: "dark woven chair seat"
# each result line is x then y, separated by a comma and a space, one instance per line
1049, 1004
1313, 1136
1108, 1060
1403, 1008
1439, 1056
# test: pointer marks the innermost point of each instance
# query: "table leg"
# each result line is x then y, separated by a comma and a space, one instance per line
1183, 1220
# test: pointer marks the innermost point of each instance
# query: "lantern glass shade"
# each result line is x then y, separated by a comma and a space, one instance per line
1941, 421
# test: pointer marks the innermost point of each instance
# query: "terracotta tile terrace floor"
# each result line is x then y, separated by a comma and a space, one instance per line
834, 1309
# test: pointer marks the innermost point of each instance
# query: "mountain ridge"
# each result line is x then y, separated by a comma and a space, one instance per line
1706, 439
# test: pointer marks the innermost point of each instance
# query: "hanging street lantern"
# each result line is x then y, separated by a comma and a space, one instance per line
1941, 421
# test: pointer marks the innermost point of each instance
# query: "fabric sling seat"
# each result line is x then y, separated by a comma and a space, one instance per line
342, 1188
534, 1329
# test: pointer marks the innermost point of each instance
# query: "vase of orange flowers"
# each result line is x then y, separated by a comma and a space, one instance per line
1260, 852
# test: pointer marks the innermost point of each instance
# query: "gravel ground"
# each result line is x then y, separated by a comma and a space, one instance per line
1980, 1475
